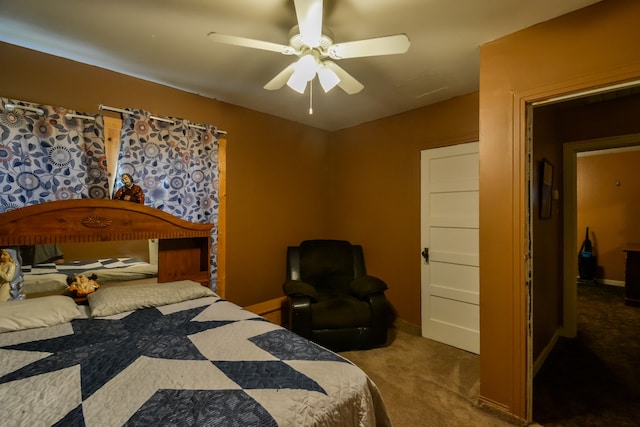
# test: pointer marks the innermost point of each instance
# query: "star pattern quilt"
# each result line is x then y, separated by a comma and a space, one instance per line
202, 362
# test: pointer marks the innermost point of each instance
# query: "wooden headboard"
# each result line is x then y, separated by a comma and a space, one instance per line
183, 250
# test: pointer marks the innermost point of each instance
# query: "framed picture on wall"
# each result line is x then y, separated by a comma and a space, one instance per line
546, 188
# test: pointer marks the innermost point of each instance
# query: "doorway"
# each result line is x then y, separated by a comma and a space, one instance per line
603, 115
570, 154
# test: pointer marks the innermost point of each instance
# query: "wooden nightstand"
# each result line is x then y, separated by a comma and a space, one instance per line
271, 310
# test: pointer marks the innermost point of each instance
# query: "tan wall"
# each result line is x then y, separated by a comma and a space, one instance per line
547, 233
285, 182
375, 182
612, 212
276, 189
591, 47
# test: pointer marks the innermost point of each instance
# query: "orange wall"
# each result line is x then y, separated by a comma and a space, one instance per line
588, 48
285, 182
612, 212
547, 233
375, 189
276, 185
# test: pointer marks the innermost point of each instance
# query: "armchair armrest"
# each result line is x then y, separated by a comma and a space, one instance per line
300, 296
380, 317
298, 288
300, 315
367, 285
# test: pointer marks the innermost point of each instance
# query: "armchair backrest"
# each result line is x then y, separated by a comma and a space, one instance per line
325, 264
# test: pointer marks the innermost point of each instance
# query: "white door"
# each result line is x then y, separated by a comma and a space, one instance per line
450, 246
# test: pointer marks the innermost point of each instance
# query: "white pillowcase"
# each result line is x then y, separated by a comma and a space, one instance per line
37, 312
108, 301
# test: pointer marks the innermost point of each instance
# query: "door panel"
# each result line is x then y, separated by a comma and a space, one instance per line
449, 229
458, 282
455, 323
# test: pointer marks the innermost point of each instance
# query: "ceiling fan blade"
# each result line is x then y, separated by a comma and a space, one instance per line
252, 43
347, 82
283, 76
309, 14
389, 45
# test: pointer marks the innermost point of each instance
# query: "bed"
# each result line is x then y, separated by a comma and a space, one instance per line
197, 361
169, 353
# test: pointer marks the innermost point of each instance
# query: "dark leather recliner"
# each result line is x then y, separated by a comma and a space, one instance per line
332, 300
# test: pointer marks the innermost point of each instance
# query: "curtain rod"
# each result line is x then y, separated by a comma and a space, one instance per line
160, 119
12, 107
117, 110
123, 111
70, 116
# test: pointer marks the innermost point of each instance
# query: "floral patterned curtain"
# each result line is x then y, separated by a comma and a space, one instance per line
176, 165
50, 156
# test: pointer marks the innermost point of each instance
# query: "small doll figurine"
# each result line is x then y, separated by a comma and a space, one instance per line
7, 272
83, 285
129, 191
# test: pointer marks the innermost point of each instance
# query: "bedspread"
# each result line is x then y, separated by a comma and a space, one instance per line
196, 363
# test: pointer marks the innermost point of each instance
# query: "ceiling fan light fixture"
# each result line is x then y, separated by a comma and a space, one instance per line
328, 78
305, 71
296, 83
306, 67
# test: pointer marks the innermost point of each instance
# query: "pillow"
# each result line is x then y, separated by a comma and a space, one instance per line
113, 300
39, 283
37, 313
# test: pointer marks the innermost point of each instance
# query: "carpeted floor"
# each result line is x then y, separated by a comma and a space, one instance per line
593, 379
426, 383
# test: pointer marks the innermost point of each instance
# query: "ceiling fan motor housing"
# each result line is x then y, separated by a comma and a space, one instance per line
296, 42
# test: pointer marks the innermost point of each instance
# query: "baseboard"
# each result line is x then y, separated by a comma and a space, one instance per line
499, 410
619, 283
545, 353
408, 327
608, 282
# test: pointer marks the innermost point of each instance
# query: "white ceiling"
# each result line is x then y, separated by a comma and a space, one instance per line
165, 41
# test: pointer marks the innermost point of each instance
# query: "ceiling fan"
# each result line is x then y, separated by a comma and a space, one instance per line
314, 47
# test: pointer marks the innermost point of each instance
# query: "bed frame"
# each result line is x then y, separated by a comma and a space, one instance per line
183, 250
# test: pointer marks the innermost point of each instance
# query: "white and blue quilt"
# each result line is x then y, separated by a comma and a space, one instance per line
203, 362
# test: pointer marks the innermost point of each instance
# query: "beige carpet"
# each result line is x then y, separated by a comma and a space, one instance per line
426, 383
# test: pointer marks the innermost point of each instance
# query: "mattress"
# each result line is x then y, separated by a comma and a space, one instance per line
202, 361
